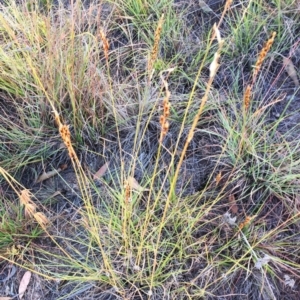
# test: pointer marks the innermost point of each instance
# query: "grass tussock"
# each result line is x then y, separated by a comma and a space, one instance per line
174, 150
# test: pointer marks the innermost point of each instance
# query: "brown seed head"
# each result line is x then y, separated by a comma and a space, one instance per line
163, 119
154, 51
105, 43
262, 55
247, 98
127, 195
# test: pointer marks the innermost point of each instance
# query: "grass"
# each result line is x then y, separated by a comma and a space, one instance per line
195, 133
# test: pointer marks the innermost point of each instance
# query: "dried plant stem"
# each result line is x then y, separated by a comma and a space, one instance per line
25, 200
213, 69
30, 207
195, 122
166, 112
80, 174
126, 212
83, 186
226, 8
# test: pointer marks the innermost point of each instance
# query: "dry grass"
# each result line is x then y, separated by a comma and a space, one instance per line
197, 194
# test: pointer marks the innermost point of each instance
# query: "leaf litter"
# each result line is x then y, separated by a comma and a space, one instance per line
291, 70
24, 283
100, 173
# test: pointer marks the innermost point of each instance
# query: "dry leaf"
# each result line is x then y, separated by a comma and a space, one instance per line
262, 261
227, 218
101, 171
5, 298
287, 281
47, 175
204, 6
55, 194
135, 185
233, 207
24, 283
214, 65
218, 178
290, 69
63, 166
218, 34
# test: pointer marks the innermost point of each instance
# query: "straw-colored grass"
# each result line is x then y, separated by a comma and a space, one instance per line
183, 186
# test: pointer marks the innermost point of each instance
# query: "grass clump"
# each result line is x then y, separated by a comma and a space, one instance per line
160, 179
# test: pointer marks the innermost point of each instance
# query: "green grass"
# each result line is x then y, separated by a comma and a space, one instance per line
214, 211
